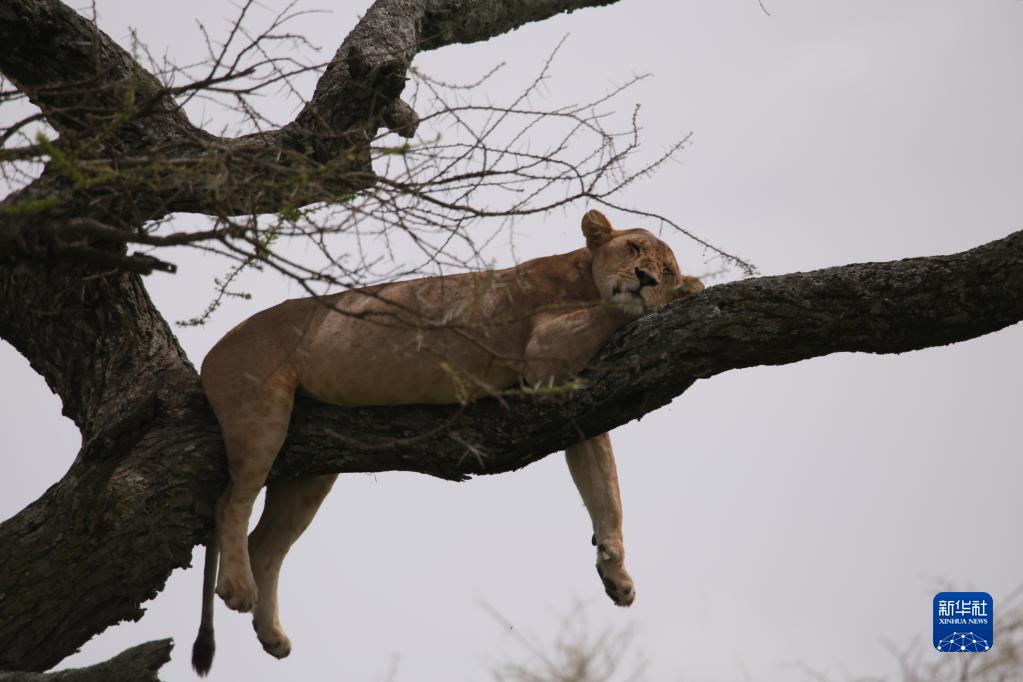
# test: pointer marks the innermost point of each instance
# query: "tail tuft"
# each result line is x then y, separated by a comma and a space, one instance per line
204, 647
203, 650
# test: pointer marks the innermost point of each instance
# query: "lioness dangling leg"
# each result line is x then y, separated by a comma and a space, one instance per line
592, 465
289, 508
254, 419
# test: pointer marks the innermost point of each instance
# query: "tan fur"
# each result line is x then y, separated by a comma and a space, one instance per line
434, 340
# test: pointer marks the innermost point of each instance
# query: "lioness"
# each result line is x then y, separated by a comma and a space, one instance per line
433, 340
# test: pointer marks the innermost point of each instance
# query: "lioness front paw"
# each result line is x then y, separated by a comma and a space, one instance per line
617, 582
238, 593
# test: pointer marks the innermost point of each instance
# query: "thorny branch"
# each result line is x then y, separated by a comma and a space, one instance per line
337, 176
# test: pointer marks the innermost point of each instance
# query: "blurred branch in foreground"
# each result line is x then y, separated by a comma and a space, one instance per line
577, 654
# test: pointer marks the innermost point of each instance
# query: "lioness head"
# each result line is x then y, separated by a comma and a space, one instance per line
633, 268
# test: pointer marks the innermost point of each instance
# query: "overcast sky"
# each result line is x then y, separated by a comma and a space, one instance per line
803, 513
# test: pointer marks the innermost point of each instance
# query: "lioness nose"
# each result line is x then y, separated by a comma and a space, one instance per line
645, 278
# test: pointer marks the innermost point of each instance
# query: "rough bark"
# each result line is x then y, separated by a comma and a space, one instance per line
140, 494
138, 664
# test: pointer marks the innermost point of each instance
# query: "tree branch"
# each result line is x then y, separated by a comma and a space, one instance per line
79, 77
874, 307
138, 664
141, 491
447, 22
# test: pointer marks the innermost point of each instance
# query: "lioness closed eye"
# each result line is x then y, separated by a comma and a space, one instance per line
418, 341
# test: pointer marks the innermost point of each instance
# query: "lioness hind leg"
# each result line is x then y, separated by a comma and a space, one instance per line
592, 466
254, 424
288, 511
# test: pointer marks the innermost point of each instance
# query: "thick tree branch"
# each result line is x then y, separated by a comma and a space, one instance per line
873, 307
80, 78
95, 337
369, 69
140, 494
447, 22
138, 664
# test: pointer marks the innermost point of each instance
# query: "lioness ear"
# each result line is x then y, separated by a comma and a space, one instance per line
686, 286
597, 229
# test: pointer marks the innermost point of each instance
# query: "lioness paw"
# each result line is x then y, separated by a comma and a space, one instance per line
238, 594
619, 587
617, 582
274, 641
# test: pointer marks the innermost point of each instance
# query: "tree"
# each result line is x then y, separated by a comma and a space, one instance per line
132, 489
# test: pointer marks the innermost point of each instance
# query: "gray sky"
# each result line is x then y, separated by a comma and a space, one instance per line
800, 513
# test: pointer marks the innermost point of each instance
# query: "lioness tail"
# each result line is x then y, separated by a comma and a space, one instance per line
204, 647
